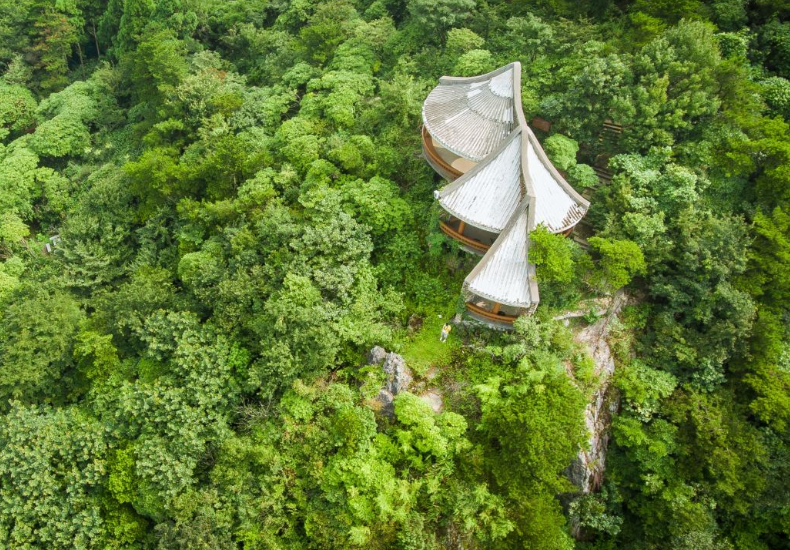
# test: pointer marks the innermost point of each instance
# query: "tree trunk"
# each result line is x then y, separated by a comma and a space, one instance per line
82, 61
96, 40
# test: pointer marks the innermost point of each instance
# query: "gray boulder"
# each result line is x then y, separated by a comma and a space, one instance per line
377, 355
386, 402
399, 377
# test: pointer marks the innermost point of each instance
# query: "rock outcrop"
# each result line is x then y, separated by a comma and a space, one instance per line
399, 376
377, 355
399, 379
588, 469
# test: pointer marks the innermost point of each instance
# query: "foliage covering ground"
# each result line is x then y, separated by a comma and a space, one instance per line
242, 213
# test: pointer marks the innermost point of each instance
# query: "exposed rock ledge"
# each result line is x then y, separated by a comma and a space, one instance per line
399, 379
588, 469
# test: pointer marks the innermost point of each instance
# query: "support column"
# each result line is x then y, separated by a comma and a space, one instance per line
496, 307
461, 227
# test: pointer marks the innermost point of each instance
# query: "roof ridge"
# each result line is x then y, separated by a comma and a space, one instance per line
478, 78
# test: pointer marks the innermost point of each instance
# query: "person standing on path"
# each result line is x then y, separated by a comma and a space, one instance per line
445, 332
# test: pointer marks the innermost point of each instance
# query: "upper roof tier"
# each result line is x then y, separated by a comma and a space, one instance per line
474, 118
488, 194
471, 116
504, 274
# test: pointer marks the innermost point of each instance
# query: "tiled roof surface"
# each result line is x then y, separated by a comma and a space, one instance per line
504, 273
554, 207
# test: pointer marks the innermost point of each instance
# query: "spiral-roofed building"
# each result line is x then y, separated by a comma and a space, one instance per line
502, 185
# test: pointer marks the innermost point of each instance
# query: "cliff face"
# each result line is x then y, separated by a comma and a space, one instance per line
588, 469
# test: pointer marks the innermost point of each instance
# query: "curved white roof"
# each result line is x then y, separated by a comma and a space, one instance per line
487, 195
471, 116
554, 206
504, 275
514, 186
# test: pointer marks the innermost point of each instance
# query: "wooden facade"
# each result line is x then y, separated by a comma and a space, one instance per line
458, 234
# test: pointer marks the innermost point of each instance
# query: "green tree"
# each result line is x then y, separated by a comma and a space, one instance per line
52, 469
553, 254
17, 106
438, 15
619, 261
474, 62
65, 120
97, 238
12, 229
157, 66
130, 19
729, 15
562, 151
703, 318
330, 25
529, 35
774, 45
582, 176
675, 88
776, 91
461, 41
36, 337
55, 38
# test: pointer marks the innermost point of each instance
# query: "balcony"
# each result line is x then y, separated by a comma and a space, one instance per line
447, 164
492, 317
455, 230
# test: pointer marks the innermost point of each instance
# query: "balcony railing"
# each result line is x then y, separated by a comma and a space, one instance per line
435, 160
490, 315
448, 230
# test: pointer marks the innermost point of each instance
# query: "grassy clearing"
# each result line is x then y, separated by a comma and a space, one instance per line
423, 350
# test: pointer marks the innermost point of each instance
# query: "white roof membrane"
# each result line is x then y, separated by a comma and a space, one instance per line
554, 207
502, 84
471, 117
503, 274
487, 195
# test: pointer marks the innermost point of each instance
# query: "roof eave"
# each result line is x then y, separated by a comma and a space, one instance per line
458, 183
482, 77
498, 300
470, 221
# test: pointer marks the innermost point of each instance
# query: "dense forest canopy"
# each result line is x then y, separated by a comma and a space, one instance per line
210, 210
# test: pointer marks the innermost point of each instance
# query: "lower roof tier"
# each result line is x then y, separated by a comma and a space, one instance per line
504, 274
